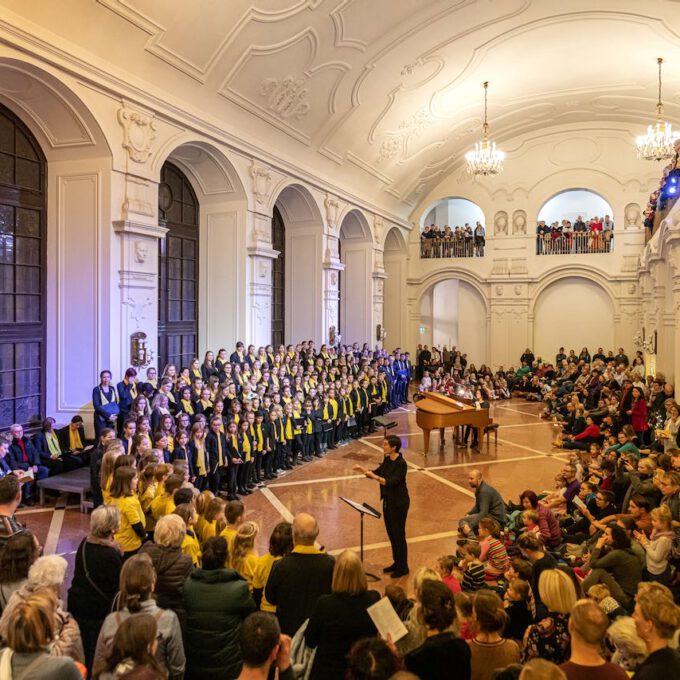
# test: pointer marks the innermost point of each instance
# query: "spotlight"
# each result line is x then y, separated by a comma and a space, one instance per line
670, 187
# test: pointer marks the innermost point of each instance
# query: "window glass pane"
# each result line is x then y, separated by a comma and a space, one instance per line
27, 174
7, 385
189, 290
174, 246
189, 249
6, 308
174, 289
188, 311
27, 410
23, 147
189, 214
27, 250
6, 355
6, 168
27, 308
174, 212
6, 134
6, 408
174, 311
188, 269
6, 218
174, 268
6, 248
27, 222
27, 383
7, 278
28, 279
27, 354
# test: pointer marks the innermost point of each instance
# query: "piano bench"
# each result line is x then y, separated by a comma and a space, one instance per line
489, 429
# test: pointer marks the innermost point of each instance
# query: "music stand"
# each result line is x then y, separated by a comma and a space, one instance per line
385, 423
363, 509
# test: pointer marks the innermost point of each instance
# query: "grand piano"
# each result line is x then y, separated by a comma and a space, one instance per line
436, 411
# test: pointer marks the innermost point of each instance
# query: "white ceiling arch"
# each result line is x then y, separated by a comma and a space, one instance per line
382, 98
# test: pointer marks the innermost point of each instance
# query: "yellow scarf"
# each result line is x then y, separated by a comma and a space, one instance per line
197, 373
171, 442
289, 428
200, 457
53, 445
259, 437
220, 457
234, 442
206, 404
246, 448
278, 431
296, 415
74, 442
188, 408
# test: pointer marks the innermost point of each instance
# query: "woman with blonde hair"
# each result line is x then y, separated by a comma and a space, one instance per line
242, 556
549, 638
30, 632
131, 530
202, 502
106, 471
630, 647
340, 619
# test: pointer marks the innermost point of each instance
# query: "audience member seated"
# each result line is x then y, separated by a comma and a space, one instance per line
23, 456
18, 554
10, 499
264, 648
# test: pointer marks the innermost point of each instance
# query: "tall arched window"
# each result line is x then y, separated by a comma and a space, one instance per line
278, 280
177, 269
23, 171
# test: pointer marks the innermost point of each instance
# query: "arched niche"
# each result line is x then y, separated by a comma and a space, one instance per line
572, 203
573, 311
303, 226
356, 281
453, 314
222, 268
455, 211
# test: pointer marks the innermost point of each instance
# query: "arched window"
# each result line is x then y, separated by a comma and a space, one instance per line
177, 269
23, 172
278, 280
575, 221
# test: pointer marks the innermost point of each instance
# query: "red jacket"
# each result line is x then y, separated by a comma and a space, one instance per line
639, 417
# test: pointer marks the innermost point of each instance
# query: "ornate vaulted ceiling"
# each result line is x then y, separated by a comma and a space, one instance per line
383, 97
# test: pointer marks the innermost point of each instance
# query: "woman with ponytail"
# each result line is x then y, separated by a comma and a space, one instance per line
490, 651
136, 596
443, 651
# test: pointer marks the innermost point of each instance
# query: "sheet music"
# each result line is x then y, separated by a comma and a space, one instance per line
386, 620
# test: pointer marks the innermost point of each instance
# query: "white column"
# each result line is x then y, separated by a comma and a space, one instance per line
259, 302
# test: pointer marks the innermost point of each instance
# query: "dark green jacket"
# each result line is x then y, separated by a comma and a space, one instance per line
216, 601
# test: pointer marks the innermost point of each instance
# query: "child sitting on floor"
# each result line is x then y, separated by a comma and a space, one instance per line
517, 608
463, 621
493, 552
472, 567
530, 522
445, 567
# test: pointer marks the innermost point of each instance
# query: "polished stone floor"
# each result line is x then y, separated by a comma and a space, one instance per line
437, 483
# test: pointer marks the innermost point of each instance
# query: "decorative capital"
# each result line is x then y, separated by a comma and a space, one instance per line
139, 132
332, 210
261, 182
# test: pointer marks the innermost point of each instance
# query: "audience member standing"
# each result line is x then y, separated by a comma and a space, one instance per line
298, 580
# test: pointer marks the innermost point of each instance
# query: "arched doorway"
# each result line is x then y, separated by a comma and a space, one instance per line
23, 175
177, 269
278, 280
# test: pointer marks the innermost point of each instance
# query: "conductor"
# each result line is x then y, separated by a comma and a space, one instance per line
391, 475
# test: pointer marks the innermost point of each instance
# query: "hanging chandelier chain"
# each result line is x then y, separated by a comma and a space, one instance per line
485, 127
485, 159
659, 105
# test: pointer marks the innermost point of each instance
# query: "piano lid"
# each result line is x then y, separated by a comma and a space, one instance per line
440, 404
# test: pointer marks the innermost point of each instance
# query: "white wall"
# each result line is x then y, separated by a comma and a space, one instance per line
570, 204
355, 296
455, 212
394, 299
573, 313
472, 328
445, 313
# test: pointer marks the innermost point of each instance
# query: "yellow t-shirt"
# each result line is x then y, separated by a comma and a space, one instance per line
161, 506
229, 534
200, 526
130, 513
147, 497
248, 568
191, 547
209, 530
106, 491
261, 576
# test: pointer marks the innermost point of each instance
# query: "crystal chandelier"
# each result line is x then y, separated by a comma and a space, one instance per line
486, 159
659, 142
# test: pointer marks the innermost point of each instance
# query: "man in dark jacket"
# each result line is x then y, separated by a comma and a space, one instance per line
488, 503
299, 579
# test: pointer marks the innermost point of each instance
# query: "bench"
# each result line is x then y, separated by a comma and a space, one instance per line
76, 481
492, 428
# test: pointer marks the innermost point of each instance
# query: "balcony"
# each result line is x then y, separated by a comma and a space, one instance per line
452, 247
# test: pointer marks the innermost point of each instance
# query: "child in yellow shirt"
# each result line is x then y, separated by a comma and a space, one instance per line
233, 513
202, 503
190, 544
243, 557
280, 544
214, 519
164, 504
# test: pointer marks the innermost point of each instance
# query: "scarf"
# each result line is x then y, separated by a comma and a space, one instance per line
74, 442
53, 445
200, 457
187, 406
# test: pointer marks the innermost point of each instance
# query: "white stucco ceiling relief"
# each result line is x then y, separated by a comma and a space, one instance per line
382, 98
